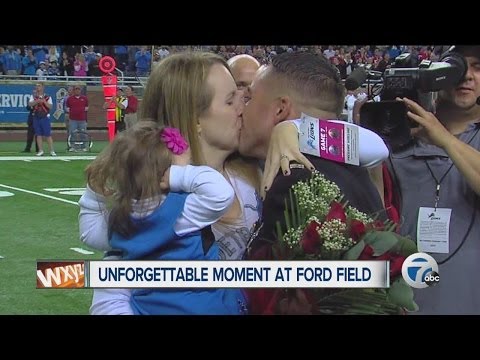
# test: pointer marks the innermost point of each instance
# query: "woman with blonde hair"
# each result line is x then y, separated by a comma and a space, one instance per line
162, 210
195, 93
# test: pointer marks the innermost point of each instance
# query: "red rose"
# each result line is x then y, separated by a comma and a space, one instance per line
262, 252
367, 253
336, 212
311, 241
263, 301
357, 230
396, 263
378, 225
385, 256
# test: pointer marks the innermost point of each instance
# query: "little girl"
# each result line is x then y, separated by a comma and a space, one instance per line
162, 210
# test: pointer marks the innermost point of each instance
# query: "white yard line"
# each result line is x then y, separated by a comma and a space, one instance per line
79, 250
39, 194
63, 189
46, 157
82, 251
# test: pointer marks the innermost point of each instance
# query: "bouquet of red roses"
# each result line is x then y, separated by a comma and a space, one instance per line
320, 226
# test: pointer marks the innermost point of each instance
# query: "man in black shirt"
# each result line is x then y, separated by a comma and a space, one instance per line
296, 83
30, 131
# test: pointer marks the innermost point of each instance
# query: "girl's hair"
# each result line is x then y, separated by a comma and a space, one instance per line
177, 95
131, 168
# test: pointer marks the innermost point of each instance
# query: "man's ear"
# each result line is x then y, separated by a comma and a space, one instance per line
283, 108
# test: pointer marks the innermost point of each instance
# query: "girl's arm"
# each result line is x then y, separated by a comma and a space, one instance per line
211, 196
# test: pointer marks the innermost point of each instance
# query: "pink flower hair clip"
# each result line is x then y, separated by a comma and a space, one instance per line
174, 141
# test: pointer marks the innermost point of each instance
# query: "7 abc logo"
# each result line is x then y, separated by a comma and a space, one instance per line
420, 270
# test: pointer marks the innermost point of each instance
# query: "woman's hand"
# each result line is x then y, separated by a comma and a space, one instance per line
282, 149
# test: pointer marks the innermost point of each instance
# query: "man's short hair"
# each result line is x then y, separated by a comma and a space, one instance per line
311, 79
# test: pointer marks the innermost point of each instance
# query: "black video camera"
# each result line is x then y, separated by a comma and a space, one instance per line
388, 117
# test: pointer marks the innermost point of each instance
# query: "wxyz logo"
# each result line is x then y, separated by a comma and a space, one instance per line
60, 275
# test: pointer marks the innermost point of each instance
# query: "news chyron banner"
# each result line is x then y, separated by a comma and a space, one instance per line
213, 274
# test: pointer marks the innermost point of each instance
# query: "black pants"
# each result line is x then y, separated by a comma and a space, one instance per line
119, 126
31, 135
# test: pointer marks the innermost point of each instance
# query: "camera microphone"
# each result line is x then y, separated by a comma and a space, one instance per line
356, 79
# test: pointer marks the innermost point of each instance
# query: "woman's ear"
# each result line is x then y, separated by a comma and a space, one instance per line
199, 129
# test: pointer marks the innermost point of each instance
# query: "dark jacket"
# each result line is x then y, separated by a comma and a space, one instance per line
353, 181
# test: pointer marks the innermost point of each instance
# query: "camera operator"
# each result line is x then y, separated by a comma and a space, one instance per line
437, 176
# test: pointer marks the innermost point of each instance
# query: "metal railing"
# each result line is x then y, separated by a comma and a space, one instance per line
134, 81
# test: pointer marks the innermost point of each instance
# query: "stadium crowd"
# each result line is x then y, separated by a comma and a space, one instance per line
47, 62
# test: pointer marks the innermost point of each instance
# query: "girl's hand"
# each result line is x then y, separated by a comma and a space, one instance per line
183, 159
165, 182
180, 160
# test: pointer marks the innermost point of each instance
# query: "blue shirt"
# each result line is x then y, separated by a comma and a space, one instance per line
157, 240
458, 291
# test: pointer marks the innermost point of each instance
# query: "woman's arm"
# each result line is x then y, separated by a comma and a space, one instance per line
284, 147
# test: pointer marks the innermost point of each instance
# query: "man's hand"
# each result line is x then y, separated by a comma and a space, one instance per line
430, 127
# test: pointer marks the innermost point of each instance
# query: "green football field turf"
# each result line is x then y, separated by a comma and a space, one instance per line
14, 148
33, 227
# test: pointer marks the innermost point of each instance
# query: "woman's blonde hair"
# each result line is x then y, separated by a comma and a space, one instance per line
131, 168
177, 95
